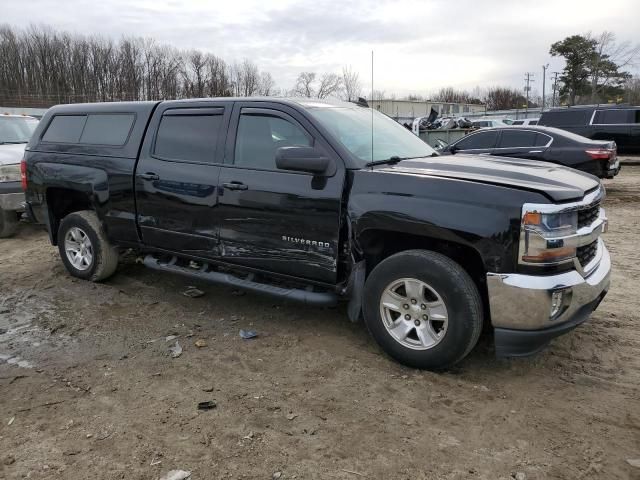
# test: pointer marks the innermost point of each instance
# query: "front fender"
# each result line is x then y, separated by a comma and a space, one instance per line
485, 218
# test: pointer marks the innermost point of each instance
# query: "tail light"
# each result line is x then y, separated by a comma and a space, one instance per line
600, 153
23, 174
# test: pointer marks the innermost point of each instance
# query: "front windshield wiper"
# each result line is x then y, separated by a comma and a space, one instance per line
13, 143
395, 159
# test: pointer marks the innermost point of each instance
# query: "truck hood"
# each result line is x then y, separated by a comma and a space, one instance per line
560, 184
11, 153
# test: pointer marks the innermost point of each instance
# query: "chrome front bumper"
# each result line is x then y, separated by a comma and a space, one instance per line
12, 202
521, 305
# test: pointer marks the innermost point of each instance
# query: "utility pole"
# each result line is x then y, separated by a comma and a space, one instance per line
544, 83
527, 88
555, 88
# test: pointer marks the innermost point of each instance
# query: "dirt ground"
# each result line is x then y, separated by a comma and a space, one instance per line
88, 389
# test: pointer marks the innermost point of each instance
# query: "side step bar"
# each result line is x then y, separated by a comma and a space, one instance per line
295, 294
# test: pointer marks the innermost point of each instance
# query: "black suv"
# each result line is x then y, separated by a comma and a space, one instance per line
620, 123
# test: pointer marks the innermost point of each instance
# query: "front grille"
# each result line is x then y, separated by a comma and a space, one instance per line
587, 253
588, 215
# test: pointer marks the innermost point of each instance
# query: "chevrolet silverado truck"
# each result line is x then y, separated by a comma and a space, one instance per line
322, 203
15, 131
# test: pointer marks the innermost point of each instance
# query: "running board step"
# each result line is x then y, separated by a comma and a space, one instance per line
295, 294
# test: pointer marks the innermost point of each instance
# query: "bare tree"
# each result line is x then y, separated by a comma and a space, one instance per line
609, 60
245, 78
195, 74
304, 84
330, 84
504, 98
351, 84
378, 95
266, 84
219, 82
632, 90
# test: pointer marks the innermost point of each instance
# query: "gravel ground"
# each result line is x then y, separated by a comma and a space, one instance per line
88, 388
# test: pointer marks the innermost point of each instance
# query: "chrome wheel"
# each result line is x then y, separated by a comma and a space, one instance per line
414, 313
77, 245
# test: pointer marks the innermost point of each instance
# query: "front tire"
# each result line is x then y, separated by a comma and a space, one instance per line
423, 309
8, 223
84, 247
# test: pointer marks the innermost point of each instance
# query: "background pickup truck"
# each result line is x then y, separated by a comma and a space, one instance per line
15, 131
320, 202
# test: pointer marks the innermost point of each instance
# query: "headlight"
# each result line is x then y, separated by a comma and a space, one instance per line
10, 173
548, 238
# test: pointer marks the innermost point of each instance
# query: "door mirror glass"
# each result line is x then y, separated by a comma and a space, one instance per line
303, 159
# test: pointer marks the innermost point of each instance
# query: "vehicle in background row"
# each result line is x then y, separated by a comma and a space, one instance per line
597, 157
525, 122
620, 123
15, 132
296, 199
490, 122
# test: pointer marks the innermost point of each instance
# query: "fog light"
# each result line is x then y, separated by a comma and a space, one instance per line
556, 303
560, 301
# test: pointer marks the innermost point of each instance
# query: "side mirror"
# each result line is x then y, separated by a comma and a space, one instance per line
453, 149
441, 144
303, 159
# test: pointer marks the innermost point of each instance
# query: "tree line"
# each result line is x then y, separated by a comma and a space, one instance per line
495, 98
40, 67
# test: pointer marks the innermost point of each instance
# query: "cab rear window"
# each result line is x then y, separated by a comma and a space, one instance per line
93, 129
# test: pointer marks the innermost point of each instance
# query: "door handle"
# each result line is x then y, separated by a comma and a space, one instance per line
235, 186
149, 176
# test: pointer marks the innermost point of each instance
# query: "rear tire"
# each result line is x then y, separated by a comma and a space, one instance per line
423, 309
84, 247
8, 223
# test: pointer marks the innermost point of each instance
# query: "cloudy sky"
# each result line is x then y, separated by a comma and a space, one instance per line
419, 46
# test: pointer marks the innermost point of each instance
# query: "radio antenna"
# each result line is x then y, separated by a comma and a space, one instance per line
371, 106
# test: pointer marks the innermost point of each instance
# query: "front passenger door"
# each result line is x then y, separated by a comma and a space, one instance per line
477, 143
279, 221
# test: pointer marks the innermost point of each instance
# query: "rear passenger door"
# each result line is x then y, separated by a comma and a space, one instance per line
177, 178
522, 144
275, 220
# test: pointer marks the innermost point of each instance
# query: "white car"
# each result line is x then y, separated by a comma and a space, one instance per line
15, 132
526, 121
488, 122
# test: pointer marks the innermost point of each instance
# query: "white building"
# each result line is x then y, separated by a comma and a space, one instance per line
407, 110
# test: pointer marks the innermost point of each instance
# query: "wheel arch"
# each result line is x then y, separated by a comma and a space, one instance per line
61, 202
68, 188
377, 244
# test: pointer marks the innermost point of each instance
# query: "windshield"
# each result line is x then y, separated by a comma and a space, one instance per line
16, 129
352, 127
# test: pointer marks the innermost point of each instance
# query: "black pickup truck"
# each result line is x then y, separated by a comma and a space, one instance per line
325, 202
